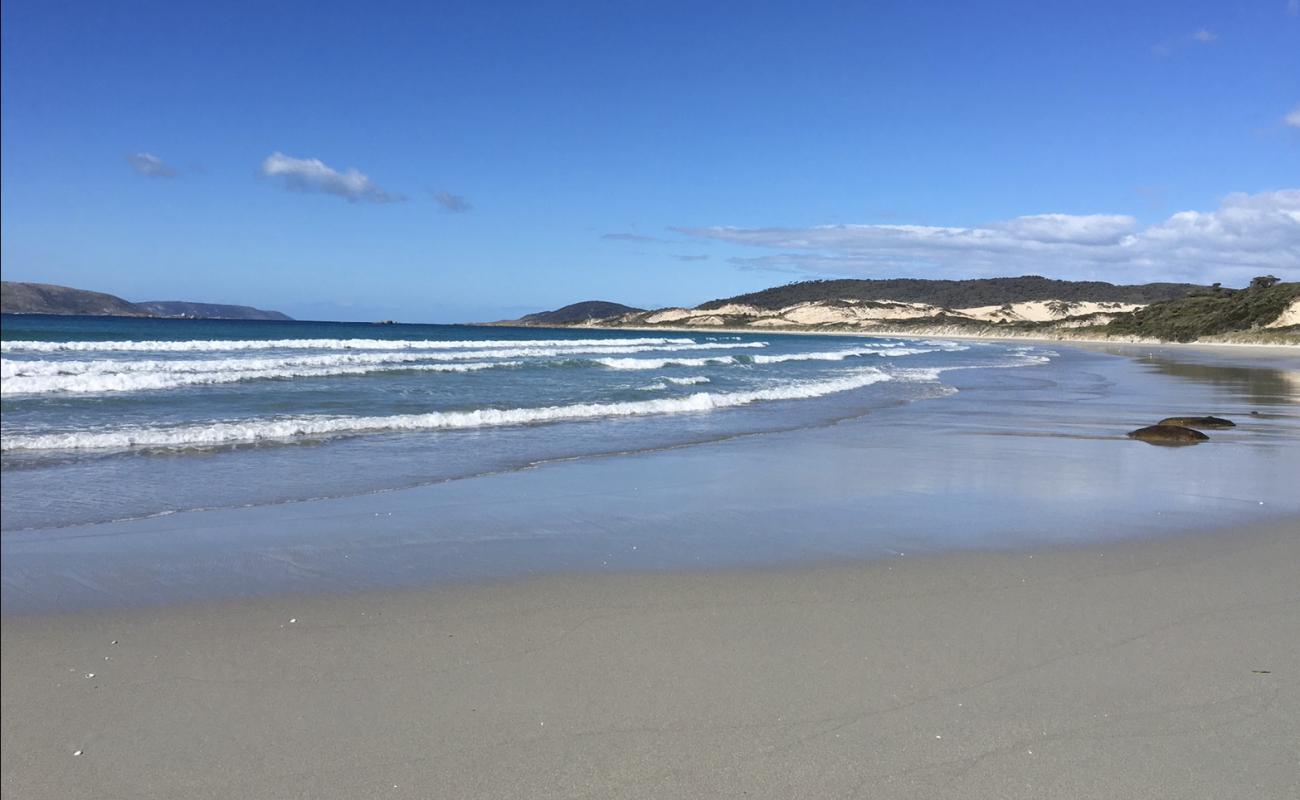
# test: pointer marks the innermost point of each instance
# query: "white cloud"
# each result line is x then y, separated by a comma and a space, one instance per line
1245, 236
1080, 229
1293, 7
630, 237
1166, 48
313, 175
1293, 119
454, 203
150, 165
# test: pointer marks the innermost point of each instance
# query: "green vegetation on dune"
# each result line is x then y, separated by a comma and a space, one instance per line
1209, 313
577, 313
959, 294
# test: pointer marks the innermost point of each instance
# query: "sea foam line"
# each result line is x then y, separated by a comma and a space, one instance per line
12, 367
830, 355
288, 429
660, 363
193, 345
665, 382
840, 355
151, 381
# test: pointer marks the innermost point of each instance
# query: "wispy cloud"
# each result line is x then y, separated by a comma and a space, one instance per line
1247, 234
630, 237
1197, 37
454, 203
150, 165
313, 175
691, 257
1293, 119
1293, 7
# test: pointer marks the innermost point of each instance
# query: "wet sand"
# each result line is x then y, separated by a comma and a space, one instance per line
1162, 668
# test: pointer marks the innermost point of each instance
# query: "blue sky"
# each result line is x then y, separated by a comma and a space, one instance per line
449, 162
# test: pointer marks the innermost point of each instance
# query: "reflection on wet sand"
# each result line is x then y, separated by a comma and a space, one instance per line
1269, 383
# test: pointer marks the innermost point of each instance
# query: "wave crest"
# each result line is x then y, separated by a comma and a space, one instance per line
217, 345
289, 429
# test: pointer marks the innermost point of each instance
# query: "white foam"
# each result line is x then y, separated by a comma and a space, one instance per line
19, 376
664, 383
11, 367
288, 429
315, 344
99, 383
931, 374
688, 381
840, 355
660, 363
887, 351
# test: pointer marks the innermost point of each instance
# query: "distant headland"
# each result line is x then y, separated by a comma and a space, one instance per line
46, 298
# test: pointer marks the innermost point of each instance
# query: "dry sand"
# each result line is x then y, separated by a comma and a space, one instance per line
1165, 668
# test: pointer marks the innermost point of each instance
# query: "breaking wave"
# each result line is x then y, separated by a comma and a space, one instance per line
23, 377
96, 383
660, 363
195, 345
840, 355
664, 383
291, 428
689, 381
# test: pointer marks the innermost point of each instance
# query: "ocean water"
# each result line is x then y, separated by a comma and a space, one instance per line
108, 419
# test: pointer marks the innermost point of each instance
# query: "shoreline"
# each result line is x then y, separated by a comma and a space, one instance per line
930, 334
1145, 668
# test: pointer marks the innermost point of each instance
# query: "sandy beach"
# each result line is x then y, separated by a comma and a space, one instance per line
1156, 669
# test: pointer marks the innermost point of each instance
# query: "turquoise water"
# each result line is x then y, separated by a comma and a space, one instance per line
108, 418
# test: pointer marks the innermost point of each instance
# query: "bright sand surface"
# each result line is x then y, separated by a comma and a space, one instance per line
992, 595
1165, 668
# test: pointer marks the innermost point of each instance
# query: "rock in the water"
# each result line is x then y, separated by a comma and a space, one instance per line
1198, 422
1168, 434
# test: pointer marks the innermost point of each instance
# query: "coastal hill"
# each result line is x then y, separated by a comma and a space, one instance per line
183, 308
577, 313
953, 294
45, 298
1267, 311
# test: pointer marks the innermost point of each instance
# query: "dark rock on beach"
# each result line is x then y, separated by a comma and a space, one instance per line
1198, 422
1168, 434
